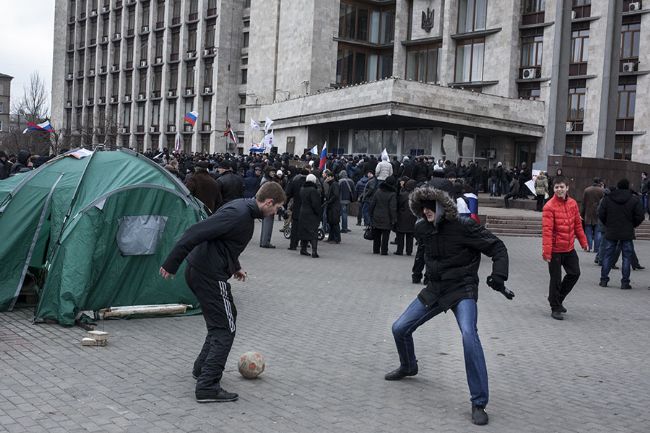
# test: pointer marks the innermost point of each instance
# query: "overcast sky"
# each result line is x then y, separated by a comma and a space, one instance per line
26, 38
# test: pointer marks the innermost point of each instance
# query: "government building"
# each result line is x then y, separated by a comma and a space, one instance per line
489, 80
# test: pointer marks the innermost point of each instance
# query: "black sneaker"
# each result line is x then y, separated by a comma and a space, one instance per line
626, 286
603, 283
557, 315
479, 416
215, 396
399, 374
562, 309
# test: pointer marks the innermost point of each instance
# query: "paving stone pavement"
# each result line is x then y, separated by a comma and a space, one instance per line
324, 327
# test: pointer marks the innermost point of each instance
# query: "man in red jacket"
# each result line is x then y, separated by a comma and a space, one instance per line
561, 224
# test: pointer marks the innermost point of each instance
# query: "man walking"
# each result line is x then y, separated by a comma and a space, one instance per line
621, 212
590, 200
348, 195
561, 224
212, 248
453, 250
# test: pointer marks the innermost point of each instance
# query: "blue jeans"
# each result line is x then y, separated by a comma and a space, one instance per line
365, 210
466, 313
627, 250
344, 216
593, 236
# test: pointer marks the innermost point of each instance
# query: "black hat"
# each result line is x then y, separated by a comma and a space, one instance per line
225, 165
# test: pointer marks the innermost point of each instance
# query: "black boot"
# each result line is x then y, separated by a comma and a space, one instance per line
303, 248
479, 417
416, 279
400, 373
314, 249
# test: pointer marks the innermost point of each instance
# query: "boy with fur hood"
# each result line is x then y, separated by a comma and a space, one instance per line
452, 253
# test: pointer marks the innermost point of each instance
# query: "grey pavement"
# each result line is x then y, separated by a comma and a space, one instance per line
324, 326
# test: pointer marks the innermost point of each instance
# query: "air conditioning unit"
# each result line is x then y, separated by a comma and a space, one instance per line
127, 98
171, 93
573, 15
171, 128
91, 72
569, 126
68, 104
102, 99
207, 52
117, 36
145, 29
207, 89
104, 38
123, 130
93, 13
207, 127
189, 91
158, 60
143, 63
153, 129
70, 76
113, 99
102, 69
191, 54
114, 68
528, 73
105, 8
634, 6
141, 96
629, 66
90, 101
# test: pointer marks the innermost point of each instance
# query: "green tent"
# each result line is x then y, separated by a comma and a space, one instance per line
95, 227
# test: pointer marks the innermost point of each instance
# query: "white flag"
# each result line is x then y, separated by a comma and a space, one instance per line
254, 125
268, 139
267, 125
314, 150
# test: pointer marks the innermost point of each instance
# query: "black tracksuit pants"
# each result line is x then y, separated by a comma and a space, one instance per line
559, 287
220, 317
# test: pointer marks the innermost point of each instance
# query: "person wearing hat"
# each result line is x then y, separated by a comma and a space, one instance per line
231, 185
453, 248
333, 207
310, 215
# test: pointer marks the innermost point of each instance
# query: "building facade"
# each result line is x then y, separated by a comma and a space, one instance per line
126, 72
5, 102
490, 80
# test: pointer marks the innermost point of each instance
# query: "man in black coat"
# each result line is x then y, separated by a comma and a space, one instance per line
620, 212
212, 248
231, 185
453, 248
293, 192
333, 207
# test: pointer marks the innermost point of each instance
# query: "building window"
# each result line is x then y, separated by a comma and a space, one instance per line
189, 77
145, 15
191, 38
155, 113
582, 8
2, 107
472, 15
126, 116
206, 114
140, 119
157, 82
626, 104
573, 145
532, 47
422, 63
208, 69
172, 82
469, 60
245, 40
209, 35
579, 51
623, 147
244, 76
630, 37
533, 12
362, 22
171, 112
577, 100
247, 3
242, 115
357, 65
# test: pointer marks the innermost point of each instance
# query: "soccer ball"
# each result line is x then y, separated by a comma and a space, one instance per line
251, 364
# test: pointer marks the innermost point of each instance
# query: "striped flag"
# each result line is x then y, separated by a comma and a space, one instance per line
191, 117
43, 127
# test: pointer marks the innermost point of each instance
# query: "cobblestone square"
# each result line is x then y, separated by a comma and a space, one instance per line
324, 326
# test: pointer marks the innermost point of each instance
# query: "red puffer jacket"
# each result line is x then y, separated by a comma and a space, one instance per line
561, 224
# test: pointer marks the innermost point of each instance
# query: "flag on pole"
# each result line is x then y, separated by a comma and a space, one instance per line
254, 125
191, 117
43, 127
323, 157
267, 124
230, 133
314, 150
178, 143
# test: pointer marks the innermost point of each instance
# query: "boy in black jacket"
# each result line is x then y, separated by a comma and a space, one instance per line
212, 248
452, 253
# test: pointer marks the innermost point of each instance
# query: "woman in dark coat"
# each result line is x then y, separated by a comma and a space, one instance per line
383, 214
333, 207
311, 213
405, 227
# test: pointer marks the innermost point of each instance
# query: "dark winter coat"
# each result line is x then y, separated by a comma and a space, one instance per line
452, 251
383, 207
213, 246
204, 187
293, 192
590, 200
231, 187
621, 211
348, 192
333, 203
405, 218
251, 185
5, 169
310, 212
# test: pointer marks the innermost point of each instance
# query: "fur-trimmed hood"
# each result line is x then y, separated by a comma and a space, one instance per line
445, 206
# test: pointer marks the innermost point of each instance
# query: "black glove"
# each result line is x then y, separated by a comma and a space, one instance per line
496, 282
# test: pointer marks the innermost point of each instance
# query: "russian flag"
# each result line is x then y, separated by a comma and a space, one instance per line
472, 204
45, 127
257, 148
323, 157
191, 117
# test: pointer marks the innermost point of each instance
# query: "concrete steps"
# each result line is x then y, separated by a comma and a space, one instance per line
532, 226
